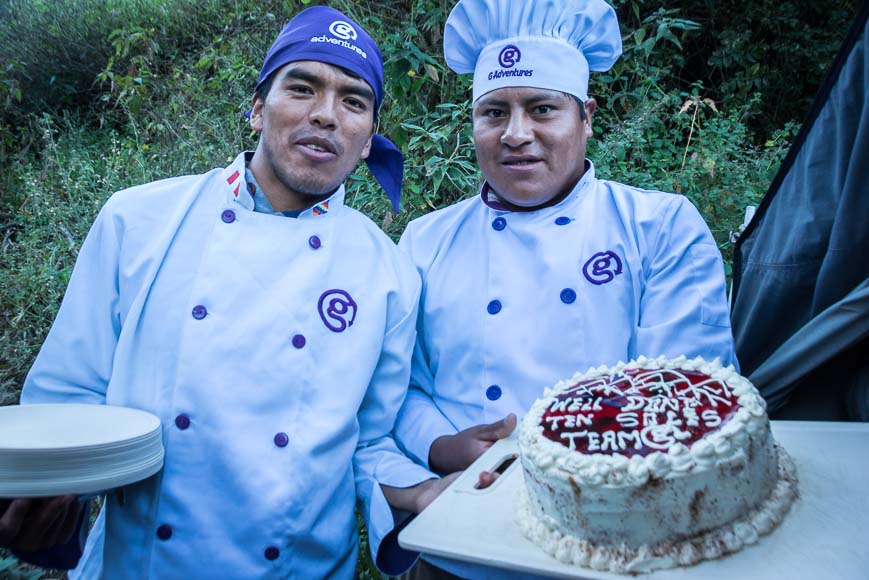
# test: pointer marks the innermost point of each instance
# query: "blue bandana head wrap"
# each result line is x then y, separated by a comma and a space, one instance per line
326, 35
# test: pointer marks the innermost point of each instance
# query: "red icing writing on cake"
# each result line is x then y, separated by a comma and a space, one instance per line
638, 412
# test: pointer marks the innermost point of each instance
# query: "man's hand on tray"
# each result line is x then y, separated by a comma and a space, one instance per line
417, 498
452, 453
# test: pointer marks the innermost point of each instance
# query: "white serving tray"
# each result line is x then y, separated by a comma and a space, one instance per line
824, 535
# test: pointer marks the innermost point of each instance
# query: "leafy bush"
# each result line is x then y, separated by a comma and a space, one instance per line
684, 144
12, 569
778, 49
61, 55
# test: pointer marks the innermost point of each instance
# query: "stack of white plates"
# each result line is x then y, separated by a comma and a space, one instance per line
48, 450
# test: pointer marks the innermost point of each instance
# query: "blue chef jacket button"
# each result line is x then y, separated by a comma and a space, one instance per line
562, 221
164, 532
228, 216
493, 393
281, 439
272, 553
199, 312
494, 307
299, 341
568, 296
182, 421
314, 242
499, 223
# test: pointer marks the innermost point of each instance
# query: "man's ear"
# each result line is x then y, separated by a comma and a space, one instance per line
256, 113
366, 151
590, 106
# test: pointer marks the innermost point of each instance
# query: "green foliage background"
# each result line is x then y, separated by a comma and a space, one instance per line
99, 95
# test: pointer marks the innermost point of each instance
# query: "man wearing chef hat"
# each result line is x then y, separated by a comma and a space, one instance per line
267, 325
550, 269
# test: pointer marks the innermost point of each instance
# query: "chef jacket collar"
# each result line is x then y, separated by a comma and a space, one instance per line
238, 193
491, 199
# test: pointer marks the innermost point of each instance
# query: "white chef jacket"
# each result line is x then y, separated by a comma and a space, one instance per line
269, 347
513, 302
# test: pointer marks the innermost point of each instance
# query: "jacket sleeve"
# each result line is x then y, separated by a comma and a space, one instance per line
683, 307
378, 459
74, 364
420, 421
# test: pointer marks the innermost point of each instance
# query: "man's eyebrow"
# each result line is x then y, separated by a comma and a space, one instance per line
491, 102
531, 100
545, 96
301, 74
360, 88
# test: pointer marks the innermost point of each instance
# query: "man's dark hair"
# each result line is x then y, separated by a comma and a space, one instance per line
582, 115
265, 87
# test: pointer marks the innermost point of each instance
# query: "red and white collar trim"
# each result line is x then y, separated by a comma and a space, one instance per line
235, 187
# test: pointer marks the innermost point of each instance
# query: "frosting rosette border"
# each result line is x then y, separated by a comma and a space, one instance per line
715, 543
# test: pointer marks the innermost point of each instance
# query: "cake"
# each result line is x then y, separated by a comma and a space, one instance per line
652, 464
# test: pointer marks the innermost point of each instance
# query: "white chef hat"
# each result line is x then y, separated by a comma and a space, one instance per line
547, 44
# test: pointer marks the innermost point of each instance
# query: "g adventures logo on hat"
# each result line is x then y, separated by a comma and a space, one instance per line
507, 58
343, 32
561, 42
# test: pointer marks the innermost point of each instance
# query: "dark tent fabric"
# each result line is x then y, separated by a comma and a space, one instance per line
800, 296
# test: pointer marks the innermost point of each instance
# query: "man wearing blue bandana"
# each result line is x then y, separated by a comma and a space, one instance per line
549, 270
267, 325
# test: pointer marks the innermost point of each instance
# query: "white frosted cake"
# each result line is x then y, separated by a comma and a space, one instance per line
652, 464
